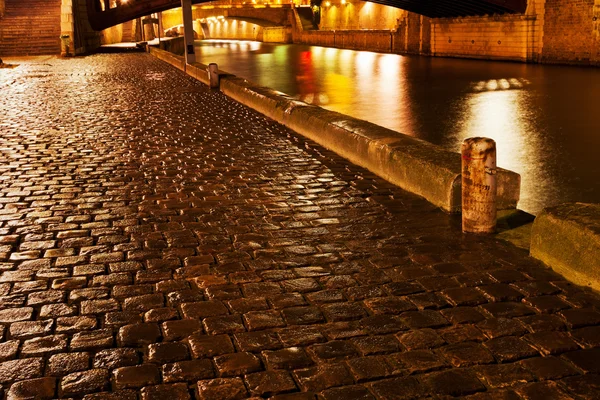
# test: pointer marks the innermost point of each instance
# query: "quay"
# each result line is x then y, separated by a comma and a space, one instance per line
159, 240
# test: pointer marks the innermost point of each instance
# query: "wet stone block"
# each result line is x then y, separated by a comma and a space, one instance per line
115, 358
203, 346
498, 327
92, 340
376, 344
192, 370
323, 377
79, 383
416, 361
257, 341
420, 339
504, 375
143, 303
455, 382
138, 335
66, 363
462, 333
269, 383
161, 314
586, 360
180, 329
8, 350
27, 368
300, 335
237, 364
29, 329
542, 390
177, 391
382, 324
224, 324
388, 388
348, 392
258, 320
136, 377
333, 351
302, 315
203, 309
510, 348
462, 315
465, 296
75, 324
15, 314
549, 368
552, 342
582, 385
289, 358
389, 305
162, 353
222, 389
369, 368
39, 389
44, 345
465, 354
424, 319
507, 310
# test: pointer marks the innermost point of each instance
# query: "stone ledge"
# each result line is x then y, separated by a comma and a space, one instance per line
567, 239
410, 163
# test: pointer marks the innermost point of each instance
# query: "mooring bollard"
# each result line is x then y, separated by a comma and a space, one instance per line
213, 75
478, 185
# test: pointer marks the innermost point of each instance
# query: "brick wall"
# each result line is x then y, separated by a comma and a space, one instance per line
569, 32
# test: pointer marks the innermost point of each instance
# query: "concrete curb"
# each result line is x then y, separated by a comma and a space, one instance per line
412, 164
567, 239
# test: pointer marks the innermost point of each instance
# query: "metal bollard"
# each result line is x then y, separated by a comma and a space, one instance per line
478, 185
213, 75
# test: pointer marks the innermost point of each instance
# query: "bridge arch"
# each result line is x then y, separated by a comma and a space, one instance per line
104, 13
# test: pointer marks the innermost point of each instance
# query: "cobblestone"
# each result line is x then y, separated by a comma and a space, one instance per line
158, 240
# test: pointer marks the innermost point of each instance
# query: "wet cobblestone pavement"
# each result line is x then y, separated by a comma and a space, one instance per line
160, 241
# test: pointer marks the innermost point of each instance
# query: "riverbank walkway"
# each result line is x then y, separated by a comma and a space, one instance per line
161, 241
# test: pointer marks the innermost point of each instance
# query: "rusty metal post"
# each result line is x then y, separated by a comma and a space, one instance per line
213, 75
479, 185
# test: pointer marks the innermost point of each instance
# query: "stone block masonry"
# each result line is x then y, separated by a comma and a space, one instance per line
571, 33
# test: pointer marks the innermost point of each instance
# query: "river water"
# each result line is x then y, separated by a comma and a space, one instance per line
545, 119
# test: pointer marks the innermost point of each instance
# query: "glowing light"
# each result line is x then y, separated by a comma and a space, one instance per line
343, 2
492, 84
327, 4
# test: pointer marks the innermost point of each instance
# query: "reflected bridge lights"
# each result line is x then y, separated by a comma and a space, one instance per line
500, 84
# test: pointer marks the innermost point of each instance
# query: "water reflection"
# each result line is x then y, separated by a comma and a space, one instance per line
542, 117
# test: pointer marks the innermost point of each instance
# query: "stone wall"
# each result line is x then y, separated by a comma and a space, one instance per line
74, 22
277, 34
356, 15
571, 34
496, 37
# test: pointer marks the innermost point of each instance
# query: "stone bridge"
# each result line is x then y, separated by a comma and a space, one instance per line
102, 15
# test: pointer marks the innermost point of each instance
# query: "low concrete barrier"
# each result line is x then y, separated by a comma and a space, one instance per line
176, 61
412, 164
567, 239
